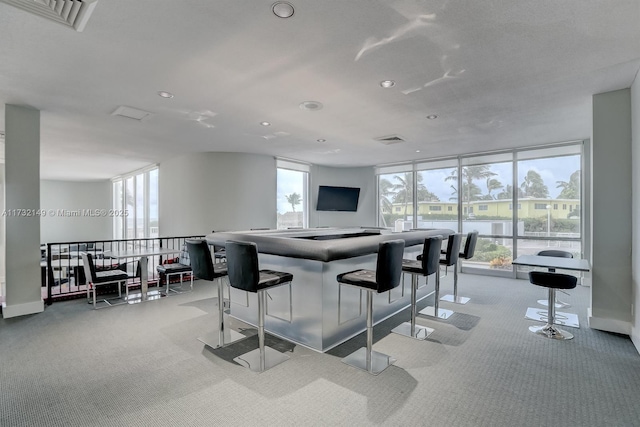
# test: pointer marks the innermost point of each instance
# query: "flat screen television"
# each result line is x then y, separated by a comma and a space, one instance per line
343, 199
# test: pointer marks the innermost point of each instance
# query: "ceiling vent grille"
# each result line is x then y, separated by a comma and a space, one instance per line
72, 13
131, 113
391, 139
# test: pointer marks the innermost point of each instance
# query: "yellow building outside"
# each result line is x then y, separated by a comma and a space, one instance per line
527, 208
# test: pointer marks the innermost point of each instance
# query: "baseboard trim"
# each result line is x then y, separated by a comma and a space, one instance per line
609, 325
16, 310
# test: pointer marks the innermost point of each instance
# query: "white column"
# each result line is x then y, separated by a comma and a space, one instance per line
22, 191
611, 197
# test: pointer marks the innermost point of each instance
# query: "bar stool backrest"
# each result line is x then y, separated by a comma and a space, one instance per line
470, 245
200, 258
431, 255
389, 264
453, 249
556, 253
242, 265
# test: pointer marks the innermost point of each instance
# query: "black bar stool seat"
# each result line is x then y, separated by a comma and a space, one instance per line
384, 278
244, 274
552, 281
558, 254
204, 268
426, 266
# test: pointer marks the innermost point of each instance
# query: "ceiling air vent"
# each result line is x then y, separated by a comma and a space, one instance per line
72, 13
391, 139
131, 113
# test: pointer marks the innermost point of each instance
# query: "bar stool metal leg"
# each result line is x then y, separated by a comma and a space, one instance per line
365, 358
263, 357
410, 329
455, 298
435, 310
550, 330
224, 336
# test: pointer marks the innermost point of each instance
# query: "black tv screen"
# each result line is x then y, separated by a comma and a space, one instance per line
343, 199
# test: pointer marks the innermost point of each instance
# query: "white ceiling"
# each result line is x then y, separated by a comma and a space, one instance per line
498, 74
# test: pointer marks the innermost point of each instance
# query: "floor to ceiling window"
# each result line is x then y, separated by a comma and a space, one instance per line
520, 201
292, 198
135, 204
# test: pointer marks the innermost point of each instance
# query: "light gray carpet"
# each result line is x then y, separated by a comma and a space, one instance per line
141, 365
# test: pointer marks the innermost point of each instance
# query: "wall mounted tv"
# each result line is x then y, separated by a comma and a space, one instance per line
344, 199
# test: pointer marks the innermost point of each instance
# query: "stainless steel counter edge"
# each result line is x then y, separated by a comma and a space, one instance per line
294, 245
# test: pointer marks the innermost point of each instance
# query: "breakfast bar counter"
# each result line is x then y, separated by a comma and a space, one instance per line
314, 311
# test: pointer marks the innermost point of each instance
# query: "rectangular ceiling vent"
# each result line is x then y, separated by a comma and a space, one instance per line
391, 139
72, 13
131, 113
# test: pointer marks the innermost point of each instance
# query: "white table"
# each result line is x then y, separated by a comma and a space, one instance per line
143, 254
572, 264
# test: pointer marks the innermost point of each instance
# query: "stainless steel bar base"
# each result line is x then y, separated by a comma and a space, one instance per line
251, 359
550, 331
212, 339
561, 318
419, 332
559, 304
443, 313
455, 300
379, 361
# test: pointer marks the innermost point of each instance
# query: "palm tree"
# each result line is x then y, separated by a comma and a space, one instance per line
294, 199
385, 191
571, 189
404, 190
534, 186
493, 184
470, 190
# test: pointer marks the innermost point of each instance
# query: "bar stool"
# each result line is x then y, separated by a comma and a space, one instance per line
450, 259
384, 278
552, 281
469, 250
242, 263
558, 254
429, 264
203, 267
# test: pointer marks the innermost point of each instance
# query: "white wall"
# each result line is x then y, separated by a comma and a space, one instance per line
363, 177
611, 287
635, 226
73, 196
201, 192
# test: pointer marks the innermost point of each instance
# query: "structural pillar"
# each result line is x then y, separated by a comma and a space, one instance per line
22, 204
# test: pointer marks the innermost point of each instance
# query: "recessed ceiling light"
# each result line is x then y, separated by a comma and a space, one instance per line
387, 83
311, 105
417, 151
282, 9
432, 117
322, 140
165, 94
265, 123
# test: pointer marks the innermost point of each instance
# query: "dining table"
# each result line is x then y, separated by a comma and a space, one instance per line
553, 263
142, 254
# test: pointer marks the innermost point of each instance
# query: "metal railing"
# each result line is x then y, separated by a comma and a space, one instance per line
62, 270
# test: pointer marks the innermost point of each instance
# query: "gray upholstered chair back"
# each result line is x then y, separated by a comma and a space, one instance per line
89, 267
555, 253
453, 249
389, 264
470, 245
200, 259
431, 255
242, 265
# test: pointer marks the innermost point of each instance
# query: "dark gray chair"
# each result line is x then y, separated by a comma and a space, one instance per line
428, 265
180, 268
203, 268
469, 250
558, 254
244, 274
385, 277
99, 278
552, 281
